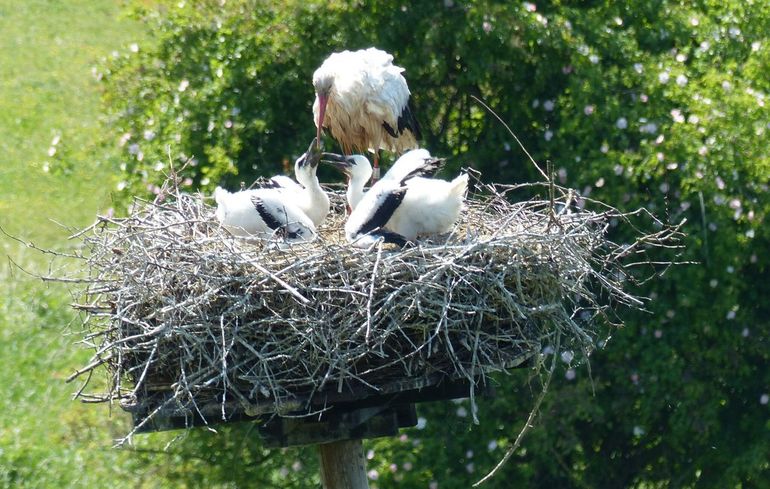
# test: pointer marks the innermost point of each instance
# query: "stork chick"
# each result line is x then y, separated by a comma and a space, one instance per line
363, 99
263, 213
403, 204
306, 193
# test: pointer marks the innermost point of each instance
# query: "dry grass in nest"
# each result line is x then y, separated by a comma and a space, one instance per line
187, 318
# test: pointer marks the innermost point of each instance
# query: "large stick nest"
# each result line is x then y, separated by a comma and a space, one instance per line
176, 305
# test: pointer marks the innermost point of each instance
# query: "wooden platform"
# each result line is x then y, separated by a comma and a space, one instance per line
326, 416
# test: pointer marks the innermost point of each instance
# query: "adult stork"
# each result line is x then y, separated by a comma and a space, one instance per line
362, 98
263, 213
404, 204
306, 193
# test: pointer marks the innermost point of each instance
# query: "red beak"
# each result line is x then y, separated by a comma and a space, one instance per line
322, 101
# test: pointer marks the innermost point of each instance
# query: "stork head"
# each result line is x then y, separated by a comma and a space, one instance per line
358, 170
306, 165
355, 167
322, 82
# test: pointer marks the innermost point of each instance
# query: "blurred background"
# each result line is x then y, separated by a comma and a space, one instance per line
651, 104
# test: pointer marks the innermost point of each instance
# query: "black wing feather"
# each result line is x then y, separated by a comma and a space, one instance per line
384, 212
263, 182
406, 120
431, 166
391, 237
270, 220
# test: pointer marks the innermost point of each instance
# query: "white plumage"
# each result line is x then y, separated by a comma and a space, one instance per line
363, 99
306, 193
263, 213
403, 204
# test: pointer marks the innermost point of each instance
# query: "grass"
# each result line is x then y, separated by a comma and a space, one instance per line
46, 439
47, 91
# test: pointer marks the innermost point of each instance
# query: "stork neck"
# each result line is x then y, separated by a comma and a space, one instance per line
355, 191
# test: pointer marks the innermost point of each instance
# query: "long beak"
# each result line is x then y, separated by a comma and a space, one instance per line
339, 162
313, 154
322, 101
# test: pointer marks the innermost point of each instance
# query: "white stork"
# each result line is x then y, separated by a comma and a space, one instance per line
402, 205
307, 195
363, 99
263, 213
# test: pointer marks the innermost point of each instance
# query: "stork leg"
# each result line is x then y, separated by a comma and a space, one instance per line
376, 167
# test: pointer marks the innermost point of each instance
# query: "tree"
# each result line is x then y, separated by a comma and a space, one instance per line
639, 104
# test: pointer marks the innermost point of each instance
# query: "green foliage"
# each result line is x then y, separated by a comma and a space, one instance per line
640, 104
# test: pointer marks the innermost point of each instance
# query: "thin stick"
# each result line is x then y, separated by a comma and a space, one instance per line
512, 134
530, 419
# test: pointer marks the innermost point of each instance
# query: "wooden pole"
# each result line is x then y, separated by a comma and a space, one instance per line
343, 465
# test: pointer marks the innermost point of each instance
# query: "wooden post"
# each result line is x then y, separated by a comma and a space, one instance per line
343, 465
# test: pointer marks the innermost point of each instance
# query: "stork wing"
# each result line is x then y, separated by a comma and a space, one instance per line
269, 214
406, 121
376, 208
414, 163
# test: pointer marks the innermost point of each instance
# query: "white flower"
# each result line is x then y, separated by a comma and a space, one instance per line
663, 77
183, 85
755, 46
763, 399
745, 333
567, 356
713, 283
373, 474
570, 374
681, 80
604, 148
593, 59
548, 105
681, 57
694, 21
734, 32
462, 412
421, 423
134, 47
677, 115
588, 109
548, 135
638, 431
730, 315
492, 445
621, 123
638, 67
599, 183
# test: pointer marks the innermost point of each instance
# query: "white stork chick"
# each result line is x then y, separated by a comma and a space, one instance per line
363, 99
263, 213
308, 195
402, 205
